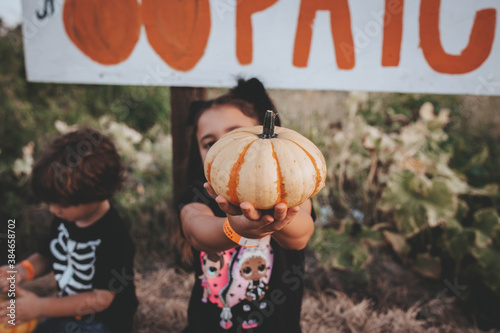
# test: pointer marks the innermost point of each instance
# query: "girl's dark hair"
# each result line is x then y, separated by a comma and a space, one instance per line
249, 96
78, 168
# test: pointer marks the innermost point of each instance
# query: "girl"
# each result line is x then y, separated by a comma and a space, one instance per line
257, 289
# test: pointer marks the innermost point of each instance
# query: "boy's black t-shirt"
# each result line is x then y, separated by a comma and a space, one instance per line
96, 257
244, 290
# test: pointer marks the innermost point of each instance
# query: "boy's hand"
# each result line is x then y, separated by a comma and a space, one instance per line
4, 283
250, 222
28, 306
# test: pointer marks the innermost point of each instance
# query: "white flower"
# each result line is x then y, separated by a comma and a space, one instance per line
427, 111
143, 160
22, 166
64, 128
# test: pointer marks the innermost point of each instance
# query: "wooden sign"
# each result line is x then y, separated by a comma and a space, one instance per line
434, 46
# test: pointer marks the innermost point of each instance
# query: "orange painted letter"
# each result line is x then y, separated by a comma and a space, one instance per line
177, 31
340, 21
105, 31
475, 53
244, 11
393, 32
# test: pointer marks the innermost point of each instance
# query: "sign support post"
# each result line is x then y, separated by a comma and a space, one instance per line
180, 98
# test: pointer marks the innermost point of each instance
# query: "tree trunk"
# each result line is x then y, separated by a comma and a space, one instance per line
180, 98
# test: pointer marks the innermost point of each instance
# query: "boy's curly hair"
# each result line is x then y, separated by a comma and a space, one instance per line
78, 168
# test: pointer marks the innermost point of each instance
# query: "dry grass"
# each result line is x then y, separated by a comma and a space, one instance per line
164, 294
395, 300
333, 311
387, 306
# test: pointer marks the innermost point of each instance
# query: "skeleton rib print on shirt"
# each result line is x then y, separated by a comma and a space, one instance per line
73, 263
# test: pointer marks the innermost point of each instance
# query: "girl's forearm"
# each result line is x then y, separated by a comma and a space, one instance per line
76, 305
206, 233
297, 233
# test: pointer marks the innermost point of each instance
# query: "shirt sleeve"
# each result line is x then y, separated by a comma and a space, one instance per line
200, 195
44, 248
114, 261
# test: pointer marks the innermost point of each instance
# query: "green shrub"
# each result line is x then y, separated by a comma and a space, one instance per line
398, 184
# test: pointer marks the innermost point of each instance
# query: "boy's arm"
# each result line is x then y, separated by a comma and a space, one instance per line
30, 306
76, 305
41, 265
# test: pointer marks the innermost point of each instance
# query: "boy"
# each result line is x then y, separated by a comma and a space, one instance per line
89, 249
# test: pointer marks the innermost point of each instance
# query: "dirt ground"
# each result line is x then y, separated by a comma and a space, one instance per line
395, 300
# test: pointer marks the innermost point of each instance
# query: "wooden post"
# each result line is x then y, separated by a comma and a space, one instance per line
180, 98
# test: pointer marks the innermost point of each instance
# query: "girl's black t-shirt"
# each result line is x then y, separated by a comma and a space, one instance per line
100, 256
245, 290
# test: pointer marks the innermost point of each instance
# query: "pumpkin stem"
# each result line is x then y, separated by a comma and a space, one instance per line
268, 126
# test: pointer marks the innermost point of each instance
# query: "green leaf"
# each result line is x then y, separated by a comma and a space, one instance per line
398, 244
496, 236
478, 159
372, 236
453, 224
341, 250
462, 209
489, 190
482, 240
427, 266
486, 220
459, 241
418, 201
489, 261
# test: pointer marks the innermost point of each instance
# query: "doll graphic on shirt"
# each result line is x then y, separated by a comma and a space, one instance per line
249, 273
254, 268
211, 265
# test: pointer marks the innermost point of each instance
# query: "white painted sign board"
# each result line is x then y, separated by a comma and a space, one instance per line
431, 46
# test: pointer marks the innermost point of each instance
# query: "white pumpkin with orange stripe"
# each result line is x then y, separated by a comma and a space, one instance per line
265, 165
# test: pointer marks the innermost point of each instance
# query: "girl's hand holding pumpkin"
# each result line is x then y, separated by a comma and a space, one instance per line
250, 222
